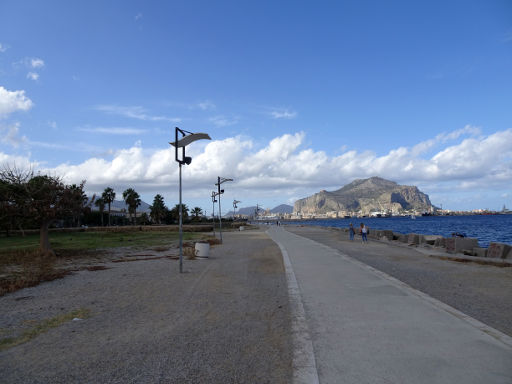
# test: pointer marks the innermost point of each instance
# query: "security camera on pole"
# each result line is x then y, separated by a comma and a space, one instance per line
220, 180
186, 139
214, 200
235, 202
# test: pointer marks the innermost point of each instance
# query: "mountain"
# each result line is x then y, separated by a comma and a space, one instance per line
366, 195
249, 211
283, 208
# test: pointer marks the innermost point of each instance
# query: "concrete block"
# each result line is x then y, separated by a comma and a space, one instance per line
413, 238
440, 242
480, 252
498, 250
387, 234
458, 244
402, 238
431, 239
416, 239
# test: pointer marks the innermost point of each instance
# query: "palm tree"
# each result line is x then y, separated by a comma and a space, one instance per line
158, 209
100, 203
108, 197
132, 200
80, 202
175, 215
197, 212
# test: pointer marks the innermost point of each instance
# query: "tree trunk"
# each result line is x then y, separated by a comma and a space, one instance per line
109, 214
21, 229
44, 240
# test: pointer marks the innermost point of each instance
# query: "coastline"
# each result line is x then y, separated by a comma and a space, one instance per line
485, 228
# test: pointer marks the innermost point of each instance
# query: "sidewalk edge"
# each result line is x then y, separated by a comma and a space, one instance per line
304, 363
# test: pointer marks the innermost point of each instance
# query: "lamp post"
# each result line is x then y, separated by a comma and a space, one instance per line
213, 210
186, 139
220, 180
235, 202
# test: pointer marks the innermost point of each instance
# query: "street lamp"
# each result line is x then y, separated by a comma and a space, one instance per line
186, 139
235, 202
213, 210
220, 180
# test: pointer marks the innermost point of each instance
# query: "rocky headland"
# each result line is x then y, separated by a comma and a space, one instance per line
366, 196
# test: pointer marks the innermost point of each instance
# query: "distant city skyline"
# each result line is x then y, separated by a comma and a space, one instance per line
297, 97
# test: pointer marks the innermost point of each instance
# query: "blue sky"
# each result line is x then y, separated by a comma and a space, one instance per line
297, 96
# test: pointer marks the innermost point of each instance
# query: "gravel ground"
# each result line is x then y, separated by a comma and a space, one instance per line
225, 320
481, 291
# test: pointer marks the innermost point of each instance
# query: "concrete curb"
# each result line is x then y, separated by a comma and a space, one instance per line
304, 363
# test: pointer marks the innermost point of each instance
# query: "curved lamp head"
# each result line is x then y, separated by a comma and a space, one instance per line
186, 139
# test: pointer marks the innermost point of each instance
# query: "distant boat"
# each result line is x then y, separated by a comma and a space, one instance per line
413, 217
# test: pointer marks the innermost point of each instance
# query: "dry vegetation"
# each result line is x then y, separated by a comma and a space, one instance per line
22, 264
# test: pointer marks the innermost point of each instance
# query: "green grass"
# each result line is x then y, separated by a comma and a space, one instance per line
43, 327
22, 265
92, 240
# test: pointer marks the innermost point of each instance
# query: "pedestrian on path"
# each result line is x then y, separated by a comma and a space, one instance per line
363, 231
351, 232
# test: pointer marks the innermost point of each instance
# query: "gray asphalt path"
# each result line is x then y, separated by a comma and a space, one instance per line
367, 327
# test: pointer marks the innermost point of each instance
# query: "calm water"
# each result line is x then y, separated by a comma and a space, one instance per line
495, 228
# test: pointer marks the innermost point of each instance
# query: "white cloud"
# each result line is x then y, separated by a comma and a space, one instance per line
206, 105
223, 121
36, 63
33, 76
12, 101
444, 137
3, 48
113, 130
20, 162
134, 112
286, 168
52, 124
138, 16
9, 134
283, 113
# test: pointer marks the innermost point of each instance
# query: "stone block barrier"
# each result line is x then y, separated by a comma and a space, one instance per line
480, 252
499, 251
415, 239
440, 242
431, 239
454, 245
459, 244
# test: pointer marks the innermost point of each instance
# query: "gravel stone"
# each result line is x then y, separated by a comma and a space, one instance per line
225, 320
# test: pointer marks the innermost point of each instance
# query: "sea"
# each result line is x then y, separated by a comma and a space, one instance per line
485, 228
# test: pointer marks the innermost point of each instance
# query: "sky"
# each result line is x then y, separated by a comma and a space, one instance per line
297, 96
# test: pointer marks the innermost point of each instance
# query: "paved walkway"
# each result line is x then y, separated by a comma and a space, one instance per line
367, 327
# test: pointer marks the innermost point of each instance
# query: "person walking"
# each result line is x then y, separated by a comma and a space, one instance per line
351, 232
363, 231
